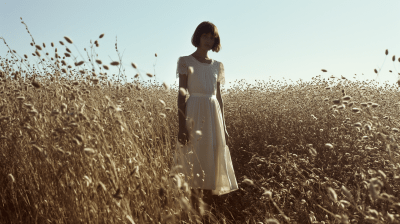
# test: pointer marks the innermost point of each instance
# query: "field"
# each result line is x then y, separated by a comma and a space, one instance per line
79, 146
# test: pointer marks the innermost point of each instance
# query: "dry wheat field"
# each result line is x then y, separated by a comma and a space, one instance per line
80, 146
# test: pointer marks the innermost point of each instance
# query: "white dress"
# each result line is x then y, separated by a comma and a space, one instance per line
206, 160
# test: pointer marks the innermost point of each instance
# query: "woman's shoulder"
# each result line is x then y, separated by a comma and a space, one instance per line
184, 59
184, 56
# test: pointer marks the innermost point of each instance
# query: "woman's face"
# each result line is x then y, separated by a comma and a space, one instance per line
207, 40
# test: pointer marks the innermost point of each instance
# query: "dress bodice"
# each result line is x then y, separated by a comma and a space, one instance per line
204, 77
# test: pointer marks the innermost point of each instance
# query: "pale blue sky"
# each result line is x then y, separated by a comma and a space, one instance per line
292, 39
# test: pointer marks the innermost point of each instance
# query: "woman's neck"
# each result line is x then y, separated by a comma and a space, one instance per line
201, 53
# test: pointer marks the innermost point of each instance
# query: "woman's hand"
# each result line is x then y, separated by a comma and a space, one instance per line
183, 136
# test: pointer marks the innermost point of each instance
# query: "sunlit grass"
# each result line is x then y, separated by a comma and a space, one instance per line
80, 146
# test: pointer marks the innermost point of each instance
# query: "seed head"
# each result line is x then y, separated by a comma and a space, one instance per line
36, 84
332, 194
182, 91
166, 86
68, 39
55, 112
105, 67
373, 191
95, 81
383, 175
346, 192
11, 177
133, 65
323, 70
386, 52
115, 63
393, 58
89, 151
29, 106
98, 61
62, 43
64, 107
149, 75
346, 98
101, 35
162, 102
271, 221
162, 115
177, 181
52, 44
37, 148
248, 181
38, 47
79, 137
190, 70
267, 192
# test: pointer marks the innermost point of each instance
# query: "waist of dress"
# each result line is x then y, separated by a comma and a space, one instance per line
203, 95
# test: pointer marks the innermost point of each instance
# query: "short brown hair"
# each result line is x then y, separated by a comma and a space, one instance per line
204, 28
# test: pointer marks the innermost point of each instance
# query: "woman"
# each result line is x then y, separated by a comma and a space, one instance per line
201, 147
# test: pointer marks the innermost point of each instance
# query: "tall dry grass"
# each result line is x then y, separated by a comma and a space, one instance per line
80, 146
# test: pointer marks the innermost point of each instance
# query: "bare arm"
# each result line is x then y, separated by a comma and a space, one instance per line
182, 101
221, 103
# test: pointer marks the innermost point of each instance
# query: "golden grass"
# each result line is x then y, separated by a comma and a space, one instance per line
80, 146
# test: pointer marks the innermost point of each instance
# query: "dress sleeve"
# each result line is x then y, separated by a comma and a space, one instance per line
181, 67
221, 74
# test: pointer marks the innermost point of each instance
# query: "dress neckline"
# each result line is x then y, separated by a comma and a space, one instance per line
212, 61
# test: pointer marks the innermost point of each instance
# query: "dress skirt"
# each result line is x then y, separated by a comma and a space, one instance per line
205, 161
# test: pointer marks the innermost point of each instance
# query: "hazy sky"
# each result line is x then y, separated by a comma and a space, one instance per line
260, 39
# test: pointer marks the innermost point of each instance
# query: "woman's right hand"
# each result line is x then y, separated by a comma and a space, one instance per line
183, 136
